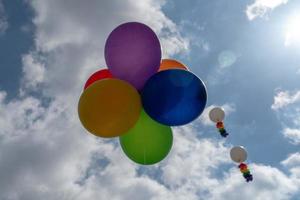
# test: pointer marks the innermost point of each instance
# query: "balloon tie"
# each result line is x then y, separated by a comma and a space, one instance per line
246, 172
222, 130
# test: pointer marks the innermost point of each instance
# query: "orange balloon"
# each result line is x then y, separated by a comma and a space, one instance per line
109, 107
171, 64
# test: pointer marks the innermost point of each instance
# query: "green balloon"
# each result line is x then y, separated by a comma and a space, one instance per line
148, 142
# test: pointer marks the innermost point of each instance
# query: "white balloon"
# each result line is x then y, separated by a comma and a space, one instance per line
216, 114
238, 154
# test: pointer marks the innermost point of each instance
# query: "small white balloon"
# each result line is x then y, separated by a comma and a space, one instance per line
238, 154
216, 114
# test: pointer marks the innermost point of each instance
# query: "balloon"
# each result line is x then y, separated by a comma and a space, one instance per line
238, 154
245, 171
148, 142
220, 125
109, 107
216, 114
98, 75
243, 166
133, 53
171, 64
174, 97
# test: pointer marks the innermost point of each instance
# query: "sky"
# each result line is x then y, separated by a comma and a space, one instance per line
246, 52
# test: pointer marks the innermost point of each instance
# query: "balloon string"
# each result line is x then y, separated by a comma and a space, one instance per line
246, 172
222, 130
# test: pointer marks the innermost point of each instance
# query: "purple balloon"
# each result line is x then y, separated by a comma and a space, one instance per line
133, 53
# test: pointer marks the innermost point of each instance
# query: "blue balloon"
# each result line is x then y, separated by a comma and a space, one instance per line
174, 97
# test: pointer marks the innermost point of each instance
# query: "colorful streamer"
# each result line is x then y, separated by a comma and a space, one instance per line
222, 130
246, 172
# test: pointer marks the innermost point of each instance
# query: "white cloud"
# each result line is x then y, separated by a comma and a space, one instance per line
177, 177
71, 35
181, 170
293, 160
204, 118
292, 134
285, 98
33, 71
192, 29
3, 19
46, 154
260, 8
292, 37
42, 150
286, 106
292, 163
2, 96
268, 183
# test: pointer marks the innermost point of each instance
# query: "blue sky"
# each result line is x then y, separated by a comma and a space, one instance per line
246, 52
263, 64
15, 41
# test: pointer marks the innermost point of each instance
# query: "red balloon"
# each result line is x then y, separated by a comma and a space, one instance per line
98, 75
243, 166
220, 125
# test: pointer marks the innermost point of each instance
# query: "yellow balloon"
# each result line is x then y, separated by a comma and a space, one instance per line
109, 107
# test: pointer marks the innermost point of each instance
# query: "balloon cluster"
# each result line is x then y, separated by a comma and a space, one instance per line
238, 154
246, 172
217, 115
140, 96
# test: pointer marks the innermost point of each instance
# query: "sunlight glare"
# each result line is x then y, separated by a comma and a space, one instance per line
292, 35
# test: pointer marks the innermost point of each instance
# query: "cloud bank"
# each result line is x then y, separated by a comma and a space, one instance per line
260, 8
